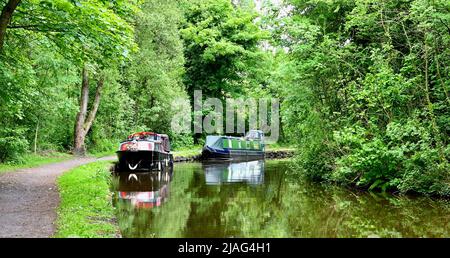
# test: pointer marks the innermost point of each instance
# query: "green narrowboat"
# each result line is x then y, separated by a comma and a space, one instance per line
227, 147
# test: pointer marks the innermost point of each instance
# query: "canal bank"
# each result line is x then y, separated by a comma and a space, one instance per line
85, 209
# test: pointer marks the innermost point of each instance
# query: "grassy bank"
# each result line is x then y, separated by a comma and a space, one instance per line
35, 160
85, 209
280, 147
187, 152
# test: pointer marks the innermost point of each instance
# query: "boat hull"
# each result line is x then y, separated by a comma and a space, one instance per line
143, 160
209, 153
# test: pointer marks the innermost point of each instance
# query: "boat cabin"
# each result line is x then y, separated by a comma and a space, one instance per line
146, 141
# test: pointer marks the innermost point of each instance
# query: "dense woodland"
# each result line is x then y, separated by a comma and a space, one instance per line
364, 85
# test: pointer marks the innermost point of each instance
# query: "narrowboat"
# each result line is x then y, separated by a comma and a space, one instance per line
144, 151
249, 147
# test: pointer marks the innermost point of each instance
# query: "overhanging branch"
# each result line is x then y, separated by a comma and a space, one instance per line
40, 28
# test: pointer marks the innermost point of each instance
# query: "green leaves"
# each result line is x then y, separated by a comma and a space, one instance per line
370, 79
47, 42
220, 42
85, 31
153, 78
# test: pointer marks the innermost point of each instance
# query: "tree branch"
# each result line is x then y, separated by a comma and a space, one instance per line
5, 18
445, 24
40, 28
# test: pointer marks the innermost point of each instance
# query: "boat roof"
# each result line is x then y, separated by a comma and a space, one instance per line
146, 134
223, 136
141, 134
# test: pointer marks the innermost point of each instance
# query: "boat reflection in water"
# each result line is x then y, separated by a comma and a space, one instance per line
144, 190
250, 172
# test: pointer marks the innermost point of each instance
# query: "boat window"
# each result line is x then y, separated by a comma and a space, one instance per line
211, 139
253, 134
144, 137
167, 145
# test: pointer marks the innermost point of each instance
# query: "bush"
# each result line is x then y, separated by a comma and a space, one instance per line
13, 145
103, 145
314, 162
371, 166
424, 165
404, 158
179, 141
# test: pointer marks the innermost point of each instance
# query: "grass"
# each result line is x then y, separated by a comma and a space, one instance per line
35, 160
187, 152
280, 147
85, 209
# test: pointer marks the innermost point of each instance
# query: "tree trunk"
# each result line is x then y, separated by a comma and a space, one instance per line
5, 18
36, 137
84, 121
95, 105
81, 116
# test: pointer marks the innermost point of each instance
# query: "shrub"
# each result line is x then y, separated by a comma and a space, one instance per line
13, 145
181, 141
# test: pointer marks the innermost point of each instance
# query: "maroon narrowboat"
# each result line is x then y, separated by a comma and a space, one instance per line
144, 151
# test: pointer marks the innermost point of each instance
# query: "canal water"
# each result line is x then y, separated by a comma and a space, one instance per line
264, 199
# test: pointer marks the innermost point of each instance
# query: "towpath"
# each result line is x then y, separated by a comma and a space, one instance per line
29, 198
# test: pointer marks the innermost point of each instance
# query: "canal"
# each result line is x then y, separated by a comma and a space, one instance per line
264, 199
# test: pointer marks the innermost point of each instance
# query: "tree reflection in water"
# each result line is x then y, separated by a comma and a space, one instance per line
265, 199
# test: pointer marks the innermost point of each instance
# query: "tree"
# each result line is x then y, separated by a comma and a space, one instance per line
84, 121
94, 33
154, 75
221, 41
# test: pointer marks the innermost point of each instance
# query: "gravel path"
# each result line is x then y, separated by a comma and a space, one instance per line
29, 198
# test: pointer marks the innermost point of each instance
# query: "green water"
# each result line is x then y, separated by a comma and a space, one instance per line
265, 199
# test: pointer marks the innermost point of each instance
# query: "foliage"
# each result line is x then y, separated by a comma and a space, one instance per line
84, 31
153, 79
220, 45
368, 104
47, 42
